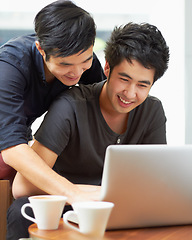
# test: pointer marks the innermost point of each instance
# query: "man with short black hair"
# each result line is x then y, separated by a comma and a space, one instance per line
34, 70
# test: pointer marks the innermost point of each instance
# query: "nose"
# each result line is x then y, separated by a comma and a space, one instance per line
76, 71
130, 92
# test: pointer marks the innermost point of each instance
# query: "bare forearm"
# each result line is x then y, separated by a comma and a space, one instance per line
22, 187
40, 176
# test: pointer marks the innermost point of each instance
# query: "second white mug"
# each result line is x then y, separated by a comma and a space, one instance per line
92, 217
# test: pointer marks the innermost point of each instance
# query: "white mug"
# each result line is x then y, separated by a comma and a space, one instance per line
47, 210
92, 217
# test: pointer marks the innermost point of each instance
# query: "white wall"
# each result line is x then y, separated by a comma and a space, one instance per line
188, 72
168, 16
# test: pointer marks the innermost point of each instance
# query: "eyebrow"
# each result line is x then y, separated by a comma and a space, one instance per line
70, 64
127, 76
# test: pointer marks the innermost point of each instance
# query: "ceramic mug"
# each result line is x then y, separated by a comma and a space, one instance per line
92, 217
47, 210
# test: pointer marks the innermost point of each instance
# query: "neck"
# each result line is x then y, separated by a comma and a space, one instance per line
49, 77
115, 120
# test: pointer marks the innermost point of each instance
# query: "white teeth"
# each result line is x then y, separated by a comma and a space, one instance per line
126, 102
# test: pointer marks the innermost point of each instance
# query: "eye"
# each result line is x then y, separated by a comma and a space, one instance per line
124, 79
88, 60
142, 85
64, 64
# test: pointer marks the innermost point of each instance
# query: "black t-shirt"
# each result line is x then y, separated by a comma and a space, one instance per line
24, 93
74, 128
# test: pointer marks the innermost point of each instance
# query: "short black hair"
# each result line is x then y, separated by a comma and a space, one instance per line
141, 42
64, 29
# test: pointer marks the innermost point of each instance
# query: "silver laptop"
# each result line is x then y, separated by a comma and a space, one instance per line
150, 185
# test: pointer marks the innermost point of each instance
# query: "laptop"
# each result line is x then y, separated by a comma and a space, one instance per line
150, 185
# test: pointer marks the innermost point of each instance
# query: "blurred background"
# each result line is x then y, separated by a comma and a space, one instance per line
172, 17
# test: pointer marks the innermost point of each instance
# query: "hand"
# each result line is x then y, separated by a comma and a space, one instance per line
87, 193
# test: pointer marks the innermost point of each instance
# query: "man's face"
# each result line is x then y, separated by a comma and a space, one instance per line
69, 69
128, 86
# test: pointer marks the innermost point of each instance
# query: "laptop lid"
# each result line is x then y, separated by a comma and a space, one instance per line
150, 185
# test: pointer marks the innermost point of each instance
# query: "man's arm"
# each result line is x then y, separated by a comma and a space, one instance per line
36, 175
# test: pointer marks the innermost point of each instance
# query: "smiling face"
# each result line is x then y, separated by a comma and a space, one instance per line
128, 85
68, 69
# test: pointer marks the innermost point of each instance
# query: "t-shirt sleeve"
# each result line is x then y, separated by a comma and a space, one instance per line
54, 132
13, 129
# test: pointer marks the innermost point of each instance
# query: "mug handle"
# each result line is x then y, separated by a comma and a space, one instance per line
67, 216
24, 213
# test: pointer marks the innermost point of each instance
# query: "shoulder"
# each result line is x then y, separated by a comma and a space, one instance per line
17, 50
75, 99
19, 54
16, 44
153, 102
82, 92
151, 108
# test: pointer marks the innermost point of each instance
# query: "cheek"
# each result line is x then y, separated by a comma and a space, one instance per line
114, 90
51, 68
142, 95
59, 71
87, 65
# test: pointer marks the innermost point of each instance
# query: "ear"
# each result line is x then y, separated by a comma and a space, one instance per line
38, 46
106, 69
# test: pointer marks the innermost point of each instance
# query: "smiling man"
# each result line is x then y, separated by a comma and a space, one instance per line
69, 69
127, 87
34, 70
84, 120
